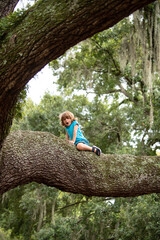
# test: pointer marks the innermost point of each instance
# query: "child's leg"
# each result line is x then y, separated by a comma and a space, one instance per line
82, 146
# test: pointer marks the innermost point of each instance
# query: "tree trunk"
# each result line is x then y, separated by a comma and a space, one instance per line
41, 157
43, 33
53, 210
7, 6
42, 214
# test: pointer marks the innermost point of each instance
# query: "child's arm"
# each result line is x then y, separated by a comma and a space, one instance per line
67, 136
74, 135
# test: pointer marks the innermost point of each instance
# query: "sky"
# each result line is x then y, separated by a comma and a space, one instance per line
41, 83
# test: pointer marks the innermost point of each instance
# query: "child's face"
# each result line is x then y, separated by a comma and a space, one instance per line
67, 122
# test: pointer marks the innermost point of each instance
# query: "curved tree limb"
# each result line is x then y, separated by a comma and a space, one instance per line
7, 6
41, 157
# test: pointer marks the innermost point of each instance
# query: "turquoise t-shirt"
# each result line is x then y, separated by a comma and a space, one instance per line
79, 137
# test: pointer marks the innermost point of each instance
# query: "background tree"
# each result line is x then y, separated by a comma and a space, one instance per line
112, 65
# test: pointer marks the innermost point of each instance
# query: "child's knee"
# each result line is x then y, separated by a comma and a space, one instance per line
79, 147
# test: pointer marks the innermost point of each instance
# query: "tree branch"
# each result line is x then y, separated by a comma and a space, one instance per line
7, 6
41, 157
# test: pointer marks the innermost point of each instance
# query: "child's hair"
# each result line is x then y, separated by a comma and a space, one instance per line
65, 115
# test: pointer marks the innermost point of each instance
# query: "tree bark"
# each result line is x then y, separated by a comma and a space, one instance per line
41, 157
43, 33
7, 6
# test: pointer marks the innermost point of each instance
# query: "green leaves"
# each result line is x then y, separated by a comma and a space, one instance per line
113, 66
105, 218
10, 22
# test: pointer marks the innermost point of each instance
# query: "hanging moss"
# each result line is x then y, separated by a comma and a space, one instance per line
144, 36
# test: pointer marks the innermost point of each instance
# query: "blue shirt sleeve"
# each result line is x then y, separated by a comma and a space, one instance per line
75, 123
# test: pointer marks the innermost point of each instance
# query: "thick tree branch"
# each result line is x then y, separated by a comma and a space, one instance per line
7, 6
41, 157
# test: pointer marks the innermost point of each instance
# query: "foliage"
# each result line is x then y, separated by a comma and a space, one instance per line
113, 66
77, 216
134, 215
10, 22
21, 101
5, 235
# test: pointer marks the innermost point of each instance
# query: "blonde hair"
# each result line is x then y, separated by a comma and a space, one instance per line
65, 115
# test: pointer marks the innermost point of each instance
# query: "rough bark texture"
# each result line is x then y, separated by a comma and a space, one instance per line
7, 6
45, 32
41, 157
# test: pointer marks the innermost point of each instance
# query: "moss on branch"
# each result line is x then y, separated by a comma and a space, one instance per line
42, 157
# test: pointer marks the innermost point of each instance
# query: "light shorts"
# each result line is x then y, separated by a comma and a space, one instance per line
85, 141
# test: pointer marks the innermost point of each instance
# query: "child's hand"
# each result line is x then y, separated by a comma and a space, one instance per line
71, 142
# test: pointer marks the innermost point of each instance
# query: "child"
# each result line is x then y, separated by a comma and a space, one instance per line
73, 132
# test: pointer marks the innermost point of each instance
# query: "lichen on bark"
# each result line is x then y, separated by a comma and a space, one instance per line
43, 158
